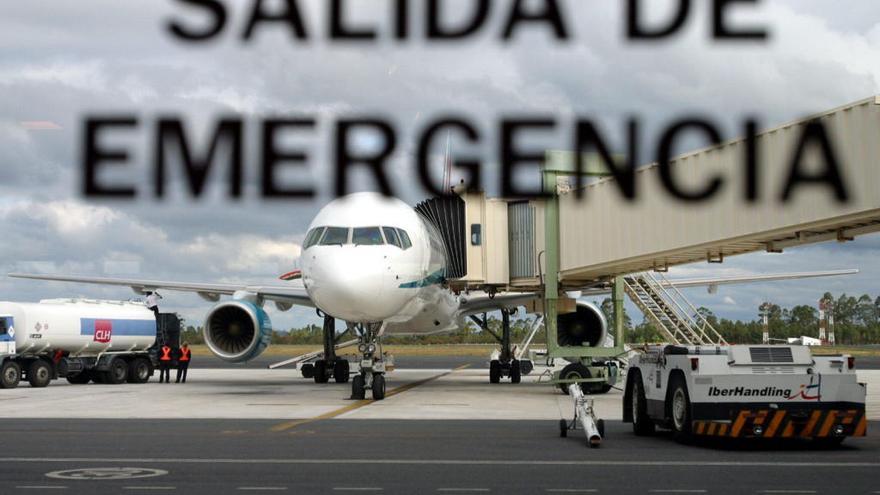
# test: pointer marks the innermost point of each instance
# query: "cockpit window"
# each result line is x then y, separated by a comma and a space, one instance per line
313, 236
367, 236
334, 236
405, 243
392, 237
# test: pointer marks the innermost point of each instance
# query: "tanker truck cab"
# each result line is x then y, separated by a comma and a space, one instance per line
80, 340
745, 392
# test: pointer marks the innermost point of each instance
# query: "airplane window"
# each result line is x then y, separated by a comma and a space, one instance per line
392, 237
334, 236
367, 236
312, 237
405, 243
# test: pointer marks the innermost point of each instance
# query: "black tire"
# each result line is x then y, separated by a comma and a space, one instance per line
526, 366
10, 374
321, 371
358, 391
39, 373
80, 378
515, 372
574, 371
378, 386
99, 377
563, 428
307, 370
494, 371
679, 409
603, 390
139, 370
117, 371
642, 424
341, 371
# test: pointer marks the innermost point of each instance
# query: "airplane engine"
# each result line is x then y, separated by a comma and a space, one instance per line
585, 327
237, 331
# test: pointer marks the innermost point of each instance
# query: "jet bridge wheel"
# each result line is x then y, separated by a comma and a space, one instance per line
575, 371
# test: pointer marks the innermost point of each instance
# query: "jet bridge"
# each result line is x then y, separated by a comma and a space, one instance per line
570, 243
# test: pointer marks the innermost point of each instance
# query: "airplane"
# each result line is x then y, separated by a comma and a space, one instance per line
380, 266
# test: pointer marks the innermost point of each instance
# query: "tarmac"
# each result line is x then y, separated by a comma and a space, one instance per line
441, 430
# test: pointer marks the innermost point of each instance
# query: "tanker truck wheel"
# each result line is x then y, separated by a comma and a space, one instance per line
39, 373
10, 374
118, 371
139, 370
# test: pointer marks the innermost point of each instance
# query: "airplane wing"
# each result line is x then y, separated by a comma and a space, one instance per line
210, 292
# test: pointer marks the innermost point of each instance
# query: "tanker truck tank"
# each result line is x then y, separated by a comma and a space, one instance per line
81, 340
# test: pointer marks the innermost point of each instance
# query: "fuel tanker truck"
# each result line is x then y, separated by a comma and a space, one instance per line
81, 340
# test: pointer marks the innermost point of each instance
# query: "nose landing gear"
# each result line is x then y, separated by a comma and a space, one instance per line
372, 365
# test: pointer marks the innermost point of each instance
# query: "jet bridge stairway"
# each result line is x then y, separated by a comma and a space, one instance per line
669, 311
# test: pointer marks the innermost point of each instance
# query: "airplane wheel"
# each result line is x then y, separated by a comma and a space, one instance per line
358, 391
515, 372
39, 374
10, 374
341, 371
321, 371
307, 370
494, 371
378, 386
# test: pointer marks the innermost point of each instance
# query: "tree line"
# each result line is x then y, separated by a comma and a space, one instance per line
856, 322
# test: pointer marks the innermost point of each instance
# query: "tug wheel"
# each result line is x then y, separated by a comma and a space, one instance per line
679, 405
642, 424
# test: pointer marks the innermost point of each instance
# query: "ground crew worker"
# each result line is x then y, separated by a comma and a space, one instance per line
165, 364
153, 303
183, 362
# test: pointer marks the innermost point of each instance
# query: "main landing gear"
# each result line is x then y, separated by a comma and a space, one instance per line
507, 365
372, 372
329, 366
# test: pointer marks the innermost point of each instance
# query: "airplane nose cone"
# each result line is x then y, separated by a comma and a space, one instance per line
350, 285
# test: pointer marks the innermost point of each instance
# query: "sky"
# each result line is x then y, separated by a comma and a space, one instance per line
61, 61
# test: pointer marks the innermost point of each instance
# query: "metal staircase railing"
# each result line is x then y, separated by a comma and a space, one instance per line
669, 311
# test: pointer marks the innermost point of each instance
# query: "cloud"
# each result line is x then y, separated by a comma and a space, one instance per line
117, 57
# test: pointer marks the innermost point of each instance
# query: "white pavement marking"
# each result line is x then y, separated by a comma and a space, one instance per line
144, 487
440, 462
572, 490
463, 490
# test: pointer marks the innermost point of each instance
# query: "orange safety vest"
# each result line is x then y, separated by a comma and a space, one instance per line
184, 354
166, 353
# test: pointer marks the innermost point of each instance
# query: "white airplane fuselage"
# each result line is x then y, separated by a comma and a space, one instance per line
353, 274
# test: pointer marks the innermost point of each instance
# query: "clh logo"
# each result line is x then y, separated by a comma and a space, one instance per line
103, 331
